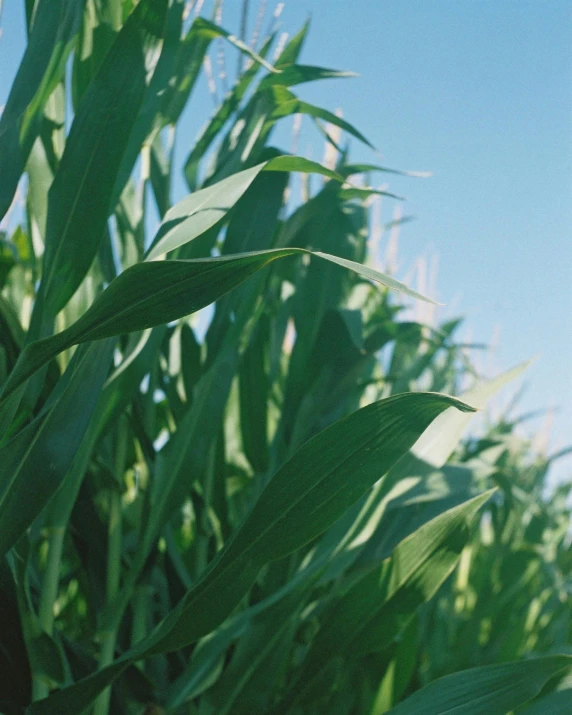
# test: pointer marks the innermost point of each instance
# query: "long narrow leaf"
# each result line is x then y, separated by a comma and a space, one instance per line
304, 497
493, 689
79, 198
382, 601
55, 25
198, 212
34, 464
149, 294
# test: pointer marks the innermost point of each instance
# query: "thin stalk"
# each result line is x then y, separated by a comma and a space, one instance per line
50, 586
56, 523
113, 572
140, 614
51, 579
109, 636
140, 608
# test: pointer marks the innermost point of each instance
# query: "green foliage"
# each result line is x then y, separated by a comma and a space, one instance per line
271, 511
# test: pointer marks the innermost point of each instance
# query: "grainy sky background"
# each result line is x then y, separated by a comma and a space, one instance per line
480, 93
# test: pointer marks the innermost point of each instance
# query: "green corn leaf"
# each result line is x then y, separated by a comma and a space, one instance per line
79, 198
254, 399
212, 30
298, 74
34, 464
102, 20
349, 169
492, 689
254, 221
313, 489
363, 192
382, 602
291, 52
47, 658
417, 475
246, 685
158, 94
287, 104
305, 166
161, 291
201, 670
229, 105
173, 81
323, 479
56, 24
399, 671
198, 212
438, 443
554, 703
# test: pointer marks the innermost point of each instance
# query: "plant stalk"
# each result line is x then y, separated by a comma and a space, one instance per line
50, 585
114, 534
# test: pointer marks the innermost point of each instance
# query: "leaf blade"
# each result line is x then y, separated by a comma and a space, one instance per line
494, 689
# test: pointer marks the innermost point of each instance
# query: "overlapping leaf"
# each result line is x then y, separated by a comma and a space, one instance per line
80, 195
56, 23
304, 497
158, 292
34, 463
382, 601
493, 689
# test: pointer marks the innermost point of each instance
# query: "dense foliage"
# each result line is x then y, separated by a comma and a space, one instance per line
272, 510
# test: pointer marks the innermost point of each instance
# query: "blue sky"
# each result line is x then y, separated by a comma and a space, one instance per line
480, 93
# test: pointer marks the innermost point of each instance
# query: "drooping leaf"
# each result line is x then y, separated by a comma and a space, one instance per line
161, 291
195, 214
303, 498
287, 104
349, 169
381, 602
297, 74
492, 689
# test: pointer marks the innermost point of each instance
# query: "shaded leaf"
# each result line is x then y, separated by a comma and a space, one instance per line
381, 602
304, 497
492, 689
34, 463
55, 25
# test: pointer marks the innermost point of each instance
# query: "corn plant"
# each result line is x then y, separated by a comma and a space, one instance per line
257, 512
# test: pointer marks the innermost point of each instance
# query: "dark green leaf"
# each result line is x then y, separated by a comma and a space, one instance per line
34, 464
55, 25
381, 603
311, 491
161, 291
79, 198
493, 689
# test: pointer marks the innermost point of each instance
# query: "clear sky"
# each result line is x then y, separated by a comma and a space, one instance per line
480, 93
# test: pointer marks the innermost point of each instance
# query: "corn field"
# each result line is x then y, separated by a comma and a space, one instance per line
277, 507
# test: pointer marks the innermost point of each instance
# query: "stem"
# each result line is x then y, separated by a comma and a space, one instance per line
50, 586
108, 639
140, 611
113, 572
